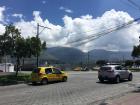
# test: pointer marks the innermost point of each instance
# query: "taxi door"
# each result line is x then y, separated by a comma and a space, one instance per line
58, 74
50, 74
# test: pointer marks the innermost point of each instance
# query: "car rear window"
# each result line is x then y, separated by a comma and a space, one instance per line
105, 68
36, 70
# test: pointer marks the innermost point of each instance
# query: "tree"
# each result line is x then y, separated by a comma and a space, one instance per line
129, 63
101, 62
36, 46
44, 45
137, 62
12, 43
136, 52
19, 51
5, 43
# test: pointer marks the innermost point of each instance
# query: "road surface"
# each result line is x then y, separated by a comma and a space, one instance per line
82, 88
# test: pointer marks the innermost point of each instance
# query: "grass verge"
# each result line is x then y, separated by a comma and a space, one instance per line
134, 69
12, 79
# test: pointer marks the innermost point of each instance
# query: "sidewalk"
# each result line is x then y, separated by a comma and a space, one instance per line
132, 98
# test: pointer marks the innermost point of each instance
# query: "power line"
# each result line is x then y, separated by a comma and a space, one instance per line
128, 3
84, 40
95, 34
92, 35
133, 3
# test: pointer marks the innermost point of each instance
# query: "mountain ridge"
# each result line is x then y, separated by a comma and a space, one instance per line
73, 55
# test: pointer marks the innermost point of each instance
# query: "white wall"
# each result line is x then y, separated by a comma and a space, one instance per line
8, 67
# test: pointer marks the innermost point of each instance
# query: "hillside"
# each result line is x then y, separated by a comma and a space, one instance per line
73, 55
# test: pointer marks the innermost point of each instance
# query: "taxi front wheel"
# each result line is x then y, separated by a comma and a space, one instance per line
44, 81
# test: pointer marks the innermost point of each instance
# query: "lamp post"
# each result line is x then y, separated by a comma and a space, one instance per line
88, 60
37, 36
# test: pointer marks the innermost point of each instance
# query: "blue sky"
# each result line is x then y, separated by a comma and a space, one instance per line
50, 9
72, 20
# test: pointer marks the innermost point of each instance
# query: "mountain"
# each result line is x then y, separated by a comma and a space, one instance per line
98, 54
73, 55
64, 54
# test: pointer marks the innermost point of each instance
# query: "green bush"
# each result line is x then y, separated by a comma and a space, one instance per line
134, 69
7, 81
12, 79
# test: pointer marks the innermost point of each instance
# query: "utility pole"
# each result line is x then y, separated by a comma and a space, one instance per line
37, 36
88, 60
5, 56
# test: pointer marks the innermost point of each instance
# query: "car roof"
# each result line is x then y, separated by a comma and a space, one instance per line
47, 67
110, 65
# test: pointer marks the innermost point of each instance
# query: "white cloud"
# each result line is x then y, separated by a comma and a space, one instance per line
44, 2
85, 26
28, 28
18, 15
81, 28
2, 20
66, 9
2, 29
2, 9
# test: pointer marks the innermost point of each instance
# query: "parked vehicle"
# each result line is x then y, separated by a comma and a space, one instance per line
44, 75
78, 69
114, 73
6, 67
1, 70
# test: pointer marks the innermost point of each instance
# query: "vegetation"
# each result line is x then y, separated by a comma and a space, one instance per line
12, 79
134, 69
136, 52
101, 62
129, 63
13, 44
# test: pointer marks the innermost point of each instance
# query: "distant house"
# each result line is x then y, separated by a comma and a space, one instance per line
6, 67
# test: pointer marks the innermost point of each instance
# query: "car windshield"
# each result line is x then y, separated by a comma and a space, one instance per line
105, 68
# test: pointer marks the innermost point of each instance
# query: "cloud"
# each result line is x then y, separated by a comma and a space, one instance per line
87, 26
44, 2
18, 15
28, 28
2, 9
66, 9
83, 27
2, 29
2, 20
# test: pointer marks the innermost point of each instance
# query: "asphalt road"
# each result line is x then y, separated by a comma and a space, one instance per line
82, 88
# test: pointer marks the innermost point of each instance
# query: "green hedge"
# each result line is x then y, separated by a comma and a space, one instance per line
134, 69
12, 79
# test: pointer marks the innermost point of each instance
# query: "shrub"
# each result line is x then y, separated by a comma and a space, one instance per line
12, 79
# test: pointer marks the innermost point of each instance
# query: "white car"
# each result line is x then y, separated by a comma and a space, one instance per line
114, 73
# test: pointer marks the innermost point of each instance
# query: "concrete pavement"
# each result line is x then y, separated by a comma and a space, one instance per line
127, 99
82, 88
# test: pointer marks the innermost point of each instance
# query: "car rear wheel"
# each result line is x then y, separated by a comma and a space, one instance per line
101, 79
34, 83
130, 77
44, 81
64, 79
117, 79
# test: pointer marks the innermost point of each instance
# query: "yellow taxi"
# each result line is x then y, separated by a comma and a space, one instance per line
44, 75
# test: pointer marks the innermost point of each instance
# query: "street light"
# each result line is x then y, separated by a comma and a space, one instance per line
37, 36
